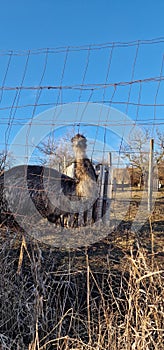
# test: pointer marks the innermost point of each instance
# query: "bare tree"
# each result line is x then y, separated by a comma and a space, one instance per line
136, 152
160, 150
56, 153
6, 161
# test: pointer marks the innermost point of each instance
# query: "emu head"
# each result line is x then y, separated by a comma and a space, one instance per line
79, 145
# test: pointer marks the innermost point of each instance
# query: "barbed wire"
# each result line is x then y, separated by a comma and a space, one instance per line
84, 86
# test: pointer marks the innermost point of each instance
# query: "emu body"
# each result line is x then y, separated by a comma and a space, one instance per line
26, 191
25, 188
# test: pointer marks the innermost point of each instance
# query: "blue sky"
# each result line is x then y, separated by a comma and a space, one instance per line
28, 25
50, 23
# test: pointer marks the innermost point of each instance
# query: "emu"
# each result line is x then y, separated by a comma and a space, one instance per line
54, 195
86, 179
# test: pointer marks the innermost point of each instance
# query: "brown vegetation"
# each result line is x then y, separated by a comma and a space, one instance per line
107, 296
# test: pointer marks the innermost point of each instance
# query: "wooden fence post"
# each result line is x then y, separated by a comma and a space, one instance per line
110, 176
107, 191
101, 180
150, 178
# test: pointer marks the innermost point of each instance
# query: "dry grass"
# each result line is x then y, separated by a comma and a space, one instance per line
109, 296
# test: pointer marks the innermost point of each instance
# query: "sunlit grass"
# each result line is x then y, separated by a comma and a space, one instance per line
107, 296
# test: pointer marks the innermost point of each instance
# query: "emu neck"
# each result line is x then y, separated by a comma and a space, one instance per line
80, 154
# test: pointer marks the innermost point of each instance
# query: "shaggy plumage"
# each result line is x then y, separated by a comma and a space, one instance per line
54, 195
48, 190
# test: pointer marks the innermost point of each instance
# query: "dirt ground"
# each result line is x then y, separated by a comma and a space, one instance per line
128, 223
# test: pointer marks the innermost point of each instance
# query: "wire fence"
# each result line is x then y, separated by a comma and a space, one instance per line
123, 82
98, 286
128, 76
